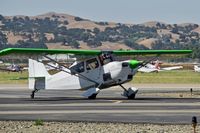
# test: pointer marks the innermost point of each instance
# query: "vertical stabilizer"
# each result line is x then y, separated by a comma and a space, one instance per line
37, 75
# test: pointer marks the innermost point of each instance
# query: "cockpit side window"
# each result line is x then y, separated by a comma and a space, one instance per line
92, 64
78, 68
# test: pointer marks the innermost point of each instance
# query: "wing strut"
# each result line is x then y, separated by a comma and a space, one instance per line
79, 75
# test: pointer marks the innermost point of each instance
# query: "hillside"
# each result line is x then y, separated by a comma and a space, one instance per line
53, 30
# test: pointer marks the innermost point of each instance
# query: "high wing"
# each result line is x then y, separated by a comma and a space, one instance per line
152, 68
171, 68
147, 70
197, 68
47, 51
37, 51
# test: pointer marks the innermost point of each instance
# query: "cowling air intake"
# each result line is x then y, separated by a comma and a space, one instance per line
134, 64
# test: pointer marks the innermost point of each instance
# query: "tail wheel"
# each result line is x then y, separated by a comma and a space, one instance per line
33, 93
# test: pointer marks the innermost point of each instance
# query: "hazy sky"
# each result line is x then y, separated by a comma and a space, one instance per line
124, 11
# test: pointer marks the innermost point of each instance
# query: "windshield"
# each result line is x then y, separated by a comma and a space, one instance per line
78, 68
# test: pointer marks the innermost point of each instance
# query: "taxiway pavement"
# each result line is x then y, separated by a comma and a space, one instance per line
152, 105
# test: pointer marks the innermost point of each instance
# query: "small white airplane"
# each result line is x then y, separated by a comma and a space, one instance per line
93, 74
14, 68
51, 66
156, 67
197, 68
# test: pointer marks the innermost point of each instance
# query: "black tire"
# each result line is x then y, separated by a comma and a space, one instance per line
32, 95
93, 96
131, 96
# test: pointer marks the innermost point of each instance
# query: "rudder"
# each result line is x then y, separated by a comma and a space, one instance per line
37, 75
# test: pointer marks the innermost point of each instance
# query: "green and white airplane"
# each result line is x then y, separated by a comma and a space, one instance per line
99, 71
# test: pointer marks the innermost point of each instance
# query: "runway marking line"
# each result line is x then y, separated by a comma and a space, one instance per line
98, 112
116, 103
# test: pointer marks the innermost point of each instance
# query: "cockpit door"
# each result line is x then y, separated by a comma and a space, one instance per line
93, 69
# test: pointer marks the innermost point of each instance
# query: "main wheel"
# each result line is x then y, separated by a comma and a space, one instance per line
131, 96
93, 96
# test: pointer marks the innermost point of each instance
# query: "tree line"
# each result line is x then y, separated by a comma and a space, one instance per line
36, 29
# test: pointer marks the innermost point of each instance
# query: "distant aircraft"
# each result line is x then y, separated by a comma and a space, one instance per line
52, 66
14, 68
197, 68
156, 67
99, 71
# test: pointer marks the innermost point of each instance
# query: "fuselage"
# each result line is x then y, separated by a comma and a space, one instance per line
93, 72
197, 68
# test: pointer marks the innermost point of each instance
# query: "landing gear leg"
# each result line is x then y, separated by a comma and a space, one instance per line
33, 93
123, 88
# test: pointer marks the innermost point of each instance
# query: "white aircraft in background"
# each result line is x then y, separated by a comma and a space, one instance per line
51, 66
99, 71
156, 67
197, 68
14, 68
